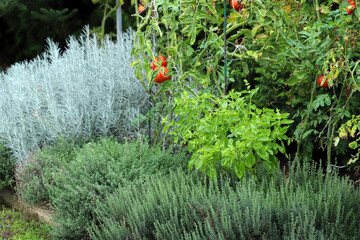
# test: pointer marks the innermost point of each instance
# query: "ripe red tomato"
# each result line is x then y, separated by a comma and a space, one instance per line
349, 1
351, 8
161, 75
352, 3
349, 11
141, 8
322, 84
156, 60
236, 5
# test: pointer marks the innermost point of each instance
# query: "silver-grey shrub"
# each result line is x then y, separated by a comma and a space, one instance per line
89, 90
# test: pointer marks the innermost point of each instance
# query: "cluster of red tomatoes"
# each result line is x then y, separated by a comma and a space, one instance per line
161, 76
351, 7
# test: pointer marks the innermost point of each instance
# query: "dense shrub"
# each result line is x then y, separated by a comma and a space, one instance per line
97, 171
229, 133
39, 167
308, 205
7, 167
88, 90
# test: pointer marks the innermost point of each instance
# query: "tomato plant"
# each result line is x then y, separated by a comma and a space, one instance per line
278, 46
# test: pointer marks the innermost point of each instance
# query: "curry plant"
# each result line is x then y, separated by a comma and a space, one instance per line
87, 91
229, 133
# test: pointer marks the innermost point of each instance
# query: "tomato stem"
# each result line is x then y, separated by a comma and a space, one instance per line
137, 18
225, 51
317, 9
332, 127
305, 126
233, 27
214, 71
158, 132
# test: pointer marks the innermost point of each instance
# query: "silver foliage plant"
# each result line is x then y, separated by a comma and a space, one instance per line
88, 90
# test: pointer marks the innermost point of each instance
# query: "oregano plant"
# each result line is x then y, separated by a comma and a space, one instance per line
229, 133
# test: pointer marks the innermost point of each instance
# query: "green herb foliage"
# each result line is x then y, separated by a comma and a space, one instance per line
97, 171
229, 133
39, 168
15, 225
307, 205
7, 166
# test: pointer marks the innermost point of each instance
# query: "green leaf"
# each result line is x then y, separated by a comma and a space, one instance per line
239, 33
282, 148
325, 9
240, 169
245, 68
347, 114
133, 64
293, 51
262, 153
250, 160
328, 101
286, 121
260, 3
307, 133
255, 29
353, 145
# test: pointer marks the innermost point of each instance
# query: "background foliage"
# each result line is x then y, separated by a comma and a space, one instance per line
27, 24
7, 167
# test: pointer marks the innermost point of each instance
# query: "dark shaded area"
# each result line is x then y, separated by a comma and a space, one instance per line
26, 24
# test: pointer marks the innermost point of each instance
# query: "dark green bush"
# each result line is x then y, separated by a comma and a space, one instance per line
308, 205
98, 170
7, 166
39, 168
